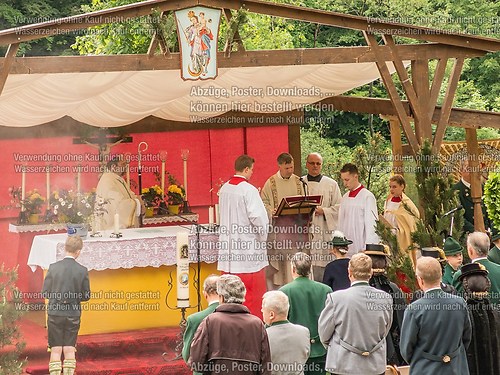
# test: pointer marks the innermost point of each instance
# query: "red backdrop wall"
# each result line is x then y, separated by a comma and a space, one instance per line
211, 162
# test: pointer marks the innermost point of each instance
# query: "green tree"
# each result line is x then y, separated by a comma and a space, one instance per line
436, 197
15, 13
10, 336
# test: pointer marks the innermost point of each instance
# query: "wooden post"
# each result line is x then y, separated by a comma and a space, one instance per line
294, 147
475, 178
397, 145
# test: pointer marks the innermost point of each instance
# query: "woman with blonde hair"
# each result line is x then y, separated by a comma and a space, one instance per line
402, 215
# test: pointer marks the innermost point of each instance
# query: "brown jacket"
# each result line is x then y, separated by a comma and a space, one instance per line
231, 341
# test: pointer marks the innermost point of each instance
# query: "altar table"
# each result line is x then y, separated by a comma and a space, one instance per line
129, 276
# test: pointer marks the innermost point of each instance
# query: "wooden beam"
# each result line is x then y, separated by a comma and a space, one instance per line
437, 82
447, 104
464, 118
156, 40
307, 56
294, 148
236, 36
397, 146
366, 24
230, 120
394, 95
475, 175
9, 59
405, 81
420, 78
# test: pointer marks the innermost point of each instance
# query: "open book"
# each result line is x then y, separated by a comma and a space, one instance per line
298, 204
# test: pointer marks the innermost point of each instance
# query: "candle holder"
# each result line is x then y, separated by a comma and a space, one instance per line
179, 342
116, 235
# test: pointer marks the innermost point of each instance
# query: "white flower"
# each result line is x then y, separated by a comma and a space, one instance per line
63, 203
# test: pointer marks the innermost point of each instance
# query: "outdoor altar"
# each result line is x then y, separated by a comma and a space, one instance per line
132, 278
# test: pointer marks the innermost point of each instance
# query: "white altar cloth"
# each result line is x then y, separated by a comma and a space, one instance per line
139, 247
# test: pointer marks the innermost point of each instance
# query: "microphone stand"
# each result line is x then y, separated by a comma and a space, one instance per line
139, 172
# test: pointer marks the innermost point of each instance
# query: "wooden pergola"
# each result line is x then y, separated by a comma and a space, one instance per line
420, 89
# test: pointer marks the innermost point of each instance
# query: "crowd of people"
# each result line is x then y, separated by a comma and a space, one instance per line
357, 321
328, 307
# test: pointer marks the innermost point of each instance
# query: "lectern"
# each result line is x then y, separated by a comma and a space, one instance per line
291, 223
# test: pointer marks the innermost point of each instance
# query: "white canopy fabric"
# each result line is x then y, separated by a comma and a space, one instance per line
112, 99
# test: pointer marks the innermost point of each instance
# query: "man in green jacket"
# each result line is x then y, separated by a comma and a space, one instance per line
307, 300
194, 320
478, 244
454, 257
494, 253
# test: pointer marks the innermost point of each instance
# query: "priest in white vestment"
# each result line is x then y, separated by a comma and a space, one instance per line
358, 211
282, 184
325, 217
113, 189
243, 233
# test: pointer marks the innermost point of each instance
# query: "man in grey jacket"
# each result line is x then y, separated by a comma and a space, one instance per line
289, 342
355, 322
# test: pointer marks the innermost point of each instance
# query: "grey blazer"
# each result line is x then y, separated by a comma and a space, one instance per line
353, 326
435, 333
290, 348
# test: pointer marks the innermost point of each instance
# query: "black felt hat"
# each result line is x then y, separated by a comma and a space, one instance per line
376, 249
433, 252
471, 269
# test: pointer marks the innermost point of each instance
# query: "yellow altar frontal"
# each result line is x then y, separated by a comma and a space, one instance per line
131, 276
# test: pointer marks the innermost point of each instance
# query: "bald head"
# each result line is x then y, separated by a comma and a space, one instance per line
429, 271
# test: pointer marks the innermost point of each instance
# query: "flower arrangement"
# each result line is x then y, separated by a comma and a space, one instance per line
15, 197
33, 203
70, 207
175, 194
152, 196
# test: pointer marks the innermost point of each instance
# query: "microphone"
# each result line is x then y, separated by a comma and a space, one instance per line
304, 183
459, 207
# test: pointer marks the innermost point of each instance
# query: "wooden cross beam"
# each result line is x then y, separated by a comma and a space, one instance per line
9, 59
393, 94
158, 39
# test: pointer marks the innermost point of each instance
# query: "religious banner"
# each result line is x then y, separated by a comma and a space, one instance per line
198, 31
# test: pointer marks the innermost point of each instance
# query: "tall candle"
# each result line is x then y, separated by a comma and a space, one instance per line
182, 269
78, 176
185, 165
23, 185
116, 224
48, 186
128, 174
163, 176
217, 215
210, 215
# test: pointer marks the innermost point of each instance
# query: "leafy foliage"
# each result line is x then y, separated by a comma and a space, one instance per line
492, 197
10, 336
437, 196
334, 156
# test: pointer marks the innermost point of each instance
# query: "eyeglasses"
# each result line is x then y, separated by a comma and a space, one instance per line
314, 162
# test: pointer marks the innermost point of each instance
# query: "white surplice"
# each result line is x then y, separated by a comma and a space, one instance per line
357, 219
243, 229
322, 226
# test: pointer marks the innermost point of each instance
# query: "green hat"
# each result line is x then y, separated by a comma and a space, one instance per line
339, 240
452, 247
495, 234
